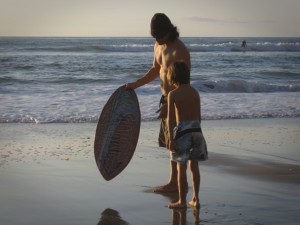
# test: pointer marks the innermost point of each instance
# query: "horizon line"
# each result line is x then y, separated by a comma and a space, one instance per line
62, 36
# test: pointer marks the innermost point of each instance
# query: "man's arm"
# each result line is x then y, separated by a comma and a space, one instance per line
151, 75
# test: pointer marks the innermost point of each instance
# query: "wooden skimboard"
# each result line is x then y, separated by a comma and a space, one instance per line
117, 132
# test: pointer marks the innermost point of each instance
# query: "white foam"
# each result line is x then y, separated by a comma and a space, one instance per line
85, 105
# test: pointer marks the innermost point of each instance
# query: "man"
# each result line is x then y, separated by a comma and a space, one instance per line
168, 49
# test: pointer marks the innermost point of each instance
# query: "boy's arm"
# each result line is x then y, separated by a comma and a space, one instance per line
199, 107
171, 121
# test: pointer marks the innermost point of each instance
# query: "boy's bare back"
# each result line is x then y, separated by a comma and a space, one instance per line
186, 101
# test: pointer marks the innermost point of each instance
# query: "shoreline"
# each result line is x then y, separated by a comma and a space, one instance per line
48, 173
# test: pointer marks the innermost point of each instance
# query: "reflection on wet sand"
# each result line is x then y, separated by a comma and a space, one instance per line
111, 217
179, 215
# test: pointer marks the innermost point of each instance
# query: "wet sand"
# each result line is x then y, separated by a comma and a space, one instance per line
48, 175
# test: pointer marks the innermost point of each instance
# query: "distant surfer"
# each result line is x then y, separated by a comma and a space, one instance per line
244, 44
168, 49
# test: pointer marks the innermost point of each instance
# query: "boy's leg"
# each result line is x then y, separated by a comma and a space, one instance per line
182, 187
196, 183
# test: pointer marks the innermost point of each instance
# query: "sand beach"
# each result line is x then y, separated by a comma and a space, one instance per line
48, 175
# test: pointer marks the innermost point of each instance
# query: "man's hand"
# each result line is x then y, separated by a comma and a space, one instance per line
130, 86
172, 146
163, 111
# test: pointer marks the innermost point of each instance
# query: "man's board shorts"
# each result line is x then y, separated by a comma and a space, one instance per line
163, 137
190, 142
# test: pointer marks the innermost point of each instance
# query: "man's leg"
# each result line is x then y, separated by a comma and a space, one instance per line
172, 185
163, 139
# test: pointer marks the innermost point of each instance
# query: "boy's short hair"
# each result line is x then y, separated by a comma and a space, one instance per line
179, 73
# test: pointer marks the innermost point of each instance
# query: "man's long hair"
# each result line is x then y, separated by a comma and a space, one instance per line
161, 25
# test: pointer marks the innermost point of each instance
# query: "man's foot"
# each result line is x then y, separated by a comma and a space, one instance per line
194, 203
166, 188
177, 205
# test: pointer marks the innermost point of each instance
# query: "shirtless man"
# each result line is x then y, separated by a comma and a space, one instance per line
168, 49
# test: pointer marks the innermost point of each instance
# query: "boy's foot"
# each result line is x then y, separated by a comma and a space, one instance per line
194, 203
177, 205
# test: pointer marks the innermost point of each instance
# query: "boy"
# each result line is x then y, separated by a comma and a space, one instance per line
186, 140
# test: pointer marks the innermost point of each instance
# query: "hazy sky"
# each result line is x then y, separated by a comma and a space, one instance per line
108, 18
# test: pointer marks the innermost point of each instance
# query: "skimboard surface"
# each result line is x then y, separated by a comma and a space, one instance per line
117, 132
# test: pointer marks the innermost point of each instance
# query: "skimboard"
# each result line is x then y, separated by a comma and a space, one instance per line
117, 132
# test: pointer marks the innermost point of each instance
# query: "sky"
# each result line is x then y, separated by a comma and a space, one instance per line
131, 18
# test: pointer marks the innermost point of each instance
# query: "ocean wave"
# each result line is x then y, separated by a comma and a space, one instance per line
57, 80
127, 48
84, 104
93, 49
72, 49
146, 45
207, 86
202, 47
7, 80
94, 119
235, 47
243, 86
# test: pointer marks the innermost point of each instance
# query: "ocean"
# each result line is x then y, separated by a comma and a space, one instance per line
68, 80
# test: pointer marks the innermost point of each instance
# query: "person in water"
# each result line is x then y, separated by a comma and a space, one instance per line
186, 139
244, 44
